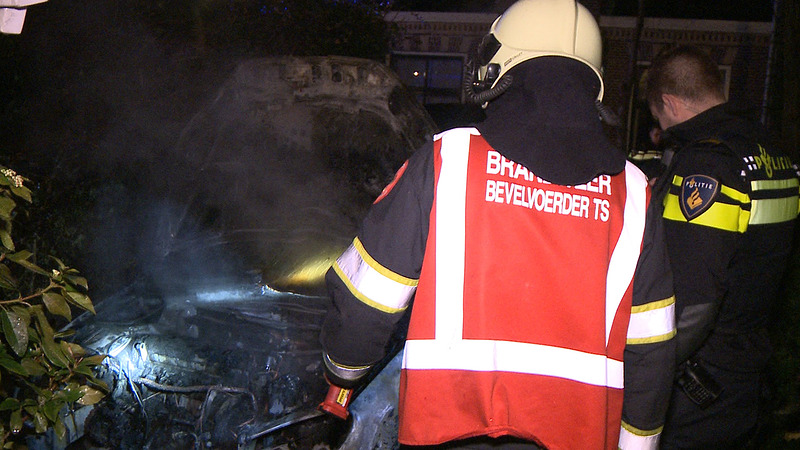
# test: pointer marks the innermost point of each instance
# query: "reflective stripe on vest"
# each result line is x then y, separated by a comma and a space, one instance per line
372, 283
449, 351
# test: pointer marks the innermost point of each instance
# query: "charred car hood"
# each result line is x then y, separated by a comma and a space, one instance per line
215, 344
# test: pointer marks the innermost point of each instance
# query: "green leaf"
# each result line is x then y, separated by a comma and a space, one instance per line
100, 384
83, 370
22, 192
8, 404
60, 429
7, 280
5, 239
23, 313
15, 330
90, 396
15, 422
61, 266
71, 351
34, 335
95, 360
6, 206
13, 366
51, 350
39, 422
45, 395
72, 395
57, 305
77, 280
81, 300
51, 409
64, 334
21, 258
54, 354
20, 255
33, 367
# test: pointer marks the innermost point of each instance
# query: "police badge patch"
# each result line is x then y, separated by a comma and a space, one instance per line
697, 195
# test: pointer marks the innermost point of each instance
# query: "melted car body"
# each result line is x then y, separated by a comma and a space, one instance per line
215, 344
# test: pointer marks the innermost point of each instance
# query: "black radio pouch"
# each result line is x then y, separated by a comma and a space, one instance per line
698, 385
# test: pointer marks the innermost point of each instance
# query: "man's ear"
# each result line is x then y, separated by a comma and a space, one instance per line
671, 104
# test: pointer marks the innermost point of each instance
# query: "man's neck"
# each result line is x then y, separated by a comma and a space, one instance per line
690, 109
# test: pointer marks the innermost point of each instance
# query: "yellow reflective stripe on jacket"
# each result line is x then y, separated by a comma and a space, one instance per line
762, 185
731, 217
719, 215
774, 210
724, 216
652, 322
632, 438
372, 283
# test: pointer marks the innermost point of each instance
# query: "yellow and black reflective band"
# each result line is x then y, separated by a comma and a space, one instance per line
652, 322
631, 437
774, 201
731, 212
372, 283
348, 373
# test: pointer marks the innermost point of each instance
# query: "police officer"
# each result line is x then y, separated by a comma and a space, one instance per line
730, 202
533, 261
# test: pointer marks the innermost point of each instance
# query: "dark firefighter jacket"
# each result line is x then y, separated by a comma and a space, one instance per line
393, 239
730, 203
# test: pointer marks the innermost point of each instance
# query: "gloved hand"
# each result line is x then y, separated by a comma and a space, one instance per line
342, 380
336, 401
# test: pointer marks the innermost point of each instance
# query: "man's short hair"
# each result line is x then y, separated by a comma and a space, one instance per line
686, 72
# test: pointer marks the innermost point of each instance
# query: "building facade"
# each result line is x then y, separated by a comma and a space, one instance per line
430, 48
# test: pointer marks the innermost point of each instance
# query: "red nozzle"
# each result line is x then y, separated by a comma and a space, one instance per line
336, 401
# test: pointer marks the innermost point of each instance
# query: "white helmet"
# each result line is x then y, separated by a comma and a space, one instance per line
532, 28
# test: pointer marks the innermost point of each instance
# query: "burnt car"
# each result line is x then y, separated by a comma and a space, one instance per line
215, 345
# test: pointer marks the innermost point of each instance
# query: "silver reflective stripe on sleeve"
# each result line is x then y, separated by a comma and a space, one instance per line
652, 322
631, 438
349, 373
372, 283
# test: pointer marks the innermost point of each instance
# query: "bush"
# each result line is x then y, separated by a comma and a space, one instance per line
41, 373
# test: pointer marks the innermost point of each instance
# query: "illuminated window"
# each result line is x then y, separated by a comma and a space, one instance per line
433, 79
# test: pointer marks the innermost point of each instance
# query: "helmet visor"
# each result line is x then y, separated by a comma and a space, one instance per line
487, 48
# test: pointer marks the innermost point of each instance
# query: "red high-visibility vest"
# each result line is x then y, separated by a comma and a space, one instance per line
520, 318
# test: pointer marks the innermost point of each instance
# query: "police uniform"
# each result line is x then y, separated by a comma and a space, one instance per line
730, 202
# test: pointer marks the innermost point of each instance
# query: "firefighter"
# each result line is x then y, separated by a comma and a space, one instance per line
538, 273
730, 200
